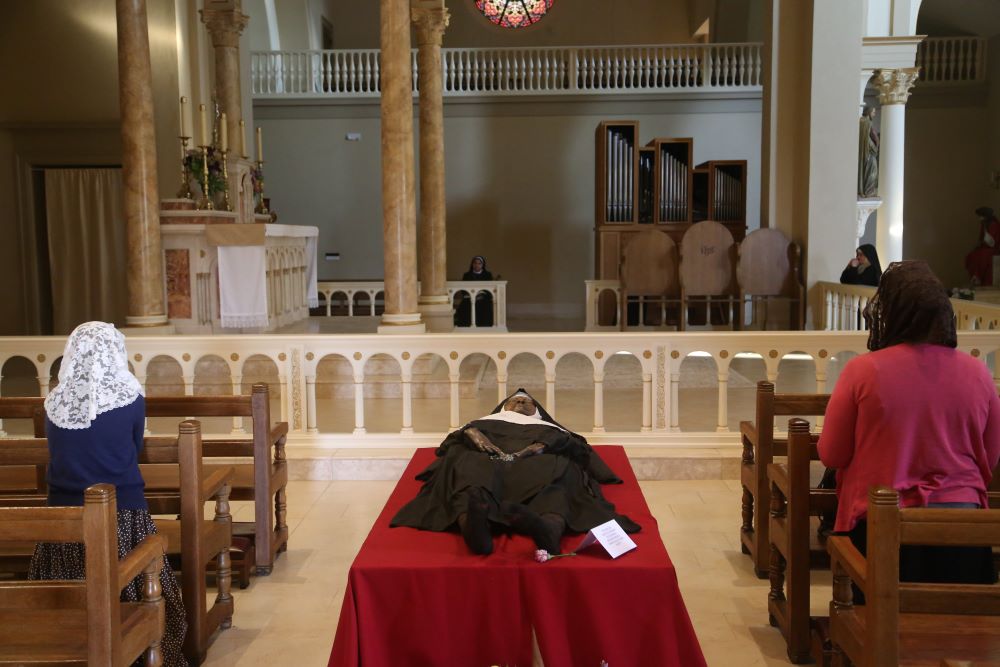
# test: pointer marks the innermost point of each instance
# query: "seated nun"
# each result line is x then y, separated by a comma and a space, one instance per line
515, 470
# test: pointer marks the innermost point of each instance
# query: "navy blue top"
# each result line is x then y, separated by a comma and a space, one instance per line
105, 452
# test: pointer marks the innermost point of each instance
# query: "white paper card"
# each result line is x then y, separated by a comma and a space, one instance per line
610, 536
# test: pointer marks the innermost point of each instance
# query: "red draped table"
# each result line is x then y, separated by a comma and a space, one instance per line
417, 598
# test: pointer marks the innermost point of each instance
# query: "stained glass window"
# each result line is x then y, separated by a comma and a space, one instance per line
514, 13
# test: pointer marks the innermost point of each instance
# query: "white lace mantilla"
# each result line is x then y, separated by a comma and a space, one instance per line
94, 377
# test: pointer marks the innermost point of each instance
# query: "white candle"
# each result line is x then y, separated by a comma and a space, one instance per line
204, 125
243, 139
184, 102
260, 146
224, 134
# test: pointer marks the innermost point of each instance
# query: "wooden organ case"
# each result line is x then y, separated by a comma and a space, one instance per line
657, 186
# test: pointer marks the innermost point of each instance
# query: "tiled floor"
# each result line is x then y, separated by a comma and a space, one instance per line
291, 616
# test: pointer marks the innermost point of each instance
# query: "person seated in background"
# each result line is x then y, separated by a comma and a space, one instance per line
979, 261
916, 415
94, 422
484, 300
515, 469
864, 269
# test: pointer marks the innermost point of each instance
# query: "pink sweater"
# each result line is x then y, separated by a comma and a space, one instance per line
922, 419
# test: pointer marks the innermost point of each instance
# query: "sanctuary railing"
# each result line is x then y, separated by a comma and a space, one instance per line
844, 306
952, 60
363, 298
573, 70
655, 364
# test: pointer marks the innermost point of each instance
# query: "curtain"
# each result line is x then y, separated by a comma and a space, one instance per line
86, 235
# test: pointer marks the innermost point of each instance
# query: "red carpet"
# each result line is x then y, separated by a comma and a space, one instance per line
417, 598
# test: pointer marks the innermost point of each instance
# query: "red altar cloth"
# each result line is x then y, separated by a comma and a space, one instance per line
420, 599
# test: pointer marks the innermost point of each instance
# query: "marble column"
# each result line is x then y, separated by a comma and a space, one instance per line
144, 270
894, 87
398, 197
225, 22
430, 20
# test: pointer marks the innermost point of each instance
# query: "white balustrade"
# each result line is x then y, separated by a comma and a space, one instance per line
659, 370
952, 60
345, 293
518, 71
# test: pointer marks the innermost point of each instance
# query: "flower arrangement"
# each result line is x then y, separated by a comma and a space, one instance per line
195, 163
543, 556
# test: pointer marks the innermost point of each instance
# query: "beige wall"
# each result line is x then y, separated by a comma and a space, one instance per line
520, 184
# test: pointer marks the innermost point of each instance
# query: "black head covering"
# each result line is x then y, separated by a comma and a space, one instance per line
985, 212
545, 415
480, 258
910, 306
868, 250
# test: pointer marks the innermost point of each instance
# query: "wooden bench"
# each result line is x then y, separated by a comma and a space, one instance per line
82, 622
172, 464
262, 480
759, 449
907, 623
177, 483
794, 546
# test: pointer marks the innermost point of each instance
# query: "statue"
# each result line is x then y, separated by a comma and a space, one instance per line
868, 141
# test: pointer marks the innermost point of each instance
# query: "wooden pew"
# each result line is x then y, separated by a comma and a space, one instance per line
177, 483
262, 480
791, 534
759, 449
177, 463
906, 623
82, 622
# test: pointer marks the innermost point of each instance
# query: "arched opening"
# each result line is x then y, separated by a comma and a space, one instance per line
165, 377
478, 391
796, 374
526, 371
430, 388
698, 393
334, 395
575, 392
383, 395
212, 377
745, 371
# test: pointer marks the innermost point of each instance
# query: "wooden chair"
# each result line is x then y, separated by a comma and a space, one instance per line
759, 449
648, 271
262, 479
794, 546
172, 464
707, 262
82, 622
906, 623
768, 270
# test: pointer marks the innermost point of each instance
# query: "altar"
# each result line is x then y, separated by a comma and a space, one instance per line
237, 278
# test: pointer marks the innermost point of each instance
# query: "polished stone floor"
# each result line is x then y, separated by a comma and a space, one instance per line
290, 617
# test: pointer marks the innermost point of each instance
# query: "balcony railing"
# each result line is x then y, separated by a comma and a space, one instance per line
952, 60
570, 70
844, 305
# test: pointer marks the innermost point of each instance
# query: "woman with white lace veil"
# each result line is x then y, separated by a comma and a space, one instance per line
95, 419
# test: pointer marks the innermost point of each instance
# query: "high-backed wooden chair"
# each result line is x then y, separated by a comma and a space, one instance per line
648, 271
794, 545
172, 464
708, 257
82, 622
907, 623
759, 449
768, 270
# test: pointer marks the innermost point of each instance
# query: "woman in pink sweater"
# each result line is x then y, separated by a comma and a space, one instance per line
916, 415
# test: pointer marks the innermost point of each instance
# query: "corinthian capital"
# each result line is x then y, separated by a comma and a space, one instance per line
430, 20
225, 21
894, 85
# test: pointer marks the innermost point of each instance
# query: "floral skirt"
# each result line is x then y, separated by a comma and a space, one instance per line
66, 561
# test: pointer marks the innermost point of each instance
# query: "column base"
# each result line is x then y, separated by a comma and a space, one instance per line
401, 323
439, 316
160, 328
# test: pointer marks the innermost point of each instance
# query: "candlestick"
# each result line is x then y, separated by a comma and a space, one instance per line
223, 134
243, 139
184, 101
225, 167
204, 125
185, 190
260, 146
206, 200
261, 206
